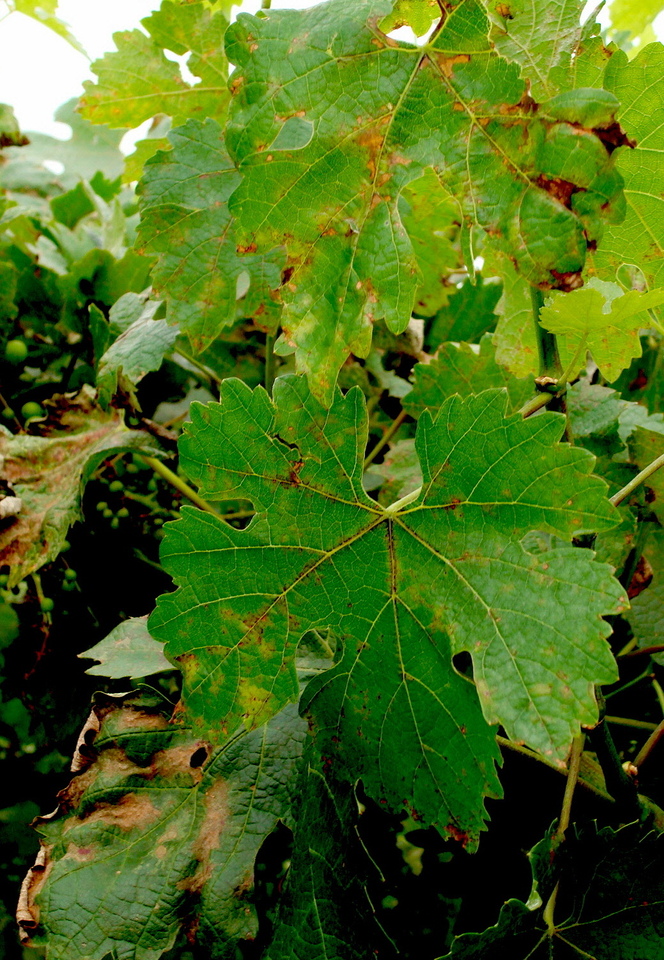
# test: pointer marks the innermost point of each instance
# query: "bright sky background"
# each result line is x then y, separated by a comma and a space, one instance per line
39, 70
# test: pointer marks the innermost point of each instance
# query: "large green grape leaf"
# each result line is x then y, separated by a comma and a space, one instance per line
325, 910
331, 120
540, 36
639, 240
48, 473
138, 81
403, 587
610, 904
200, 272
158, 832
603, 319
458, 368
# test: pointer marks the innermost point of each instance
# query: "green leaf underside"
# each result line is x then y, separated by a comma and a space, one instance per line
458, 368
320, 553
603, 319
160, 833
127, 651
322, 97
138, 350
610, 905
325, 911
138, 81
639, 239
185, 221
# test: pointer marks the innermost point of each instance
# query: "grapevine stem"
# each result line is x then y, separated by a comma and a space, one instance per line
385, 439
621, 787
563, 823
202, 369
637, 480
643, 651
649, 745
547, 346
628, 722
532, 755
162, 470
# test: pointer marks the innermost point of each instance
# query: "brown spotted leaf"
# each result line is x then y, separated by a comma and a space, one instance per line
404, 587
47, 473
157, 833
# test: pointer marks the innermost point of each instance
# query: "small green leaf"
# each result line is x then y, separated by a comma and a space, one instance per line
128, 651
600, 318
138, 350
467, 316
419, 15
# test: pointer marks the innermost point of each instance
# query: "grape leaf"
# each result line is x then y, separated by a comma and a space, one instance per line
44, 11
419, 15
634, 15
48, 474
128, 651
138, 350
514, 336
321, 96
646, 615
540, 36
647, 444
138, 81
600, 318
201, 272
458, 368
640, 238
10, 134
325, 910
403, 587
610, 904
89, 149
157, 832
431, 217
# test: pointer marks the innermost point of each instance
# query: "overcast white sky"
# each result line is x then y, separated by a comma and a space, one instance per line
39, 70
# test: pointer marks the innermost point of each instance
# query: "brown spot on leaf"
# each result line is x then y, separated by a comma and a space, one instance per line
641, 579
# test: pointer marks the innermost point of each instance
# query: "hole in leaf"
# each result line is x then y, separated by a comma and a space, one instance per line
198, 758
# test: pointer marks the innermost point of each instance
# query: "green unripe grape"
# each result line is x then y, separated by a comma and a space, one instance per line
3, 579
115, 523
69, 585
122, 513
8, 413
131, 468
65, 546
70, 574
47, 604
31, 409
152, 485
158, 522
16, 351
107, 514
116, 486
102, 505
